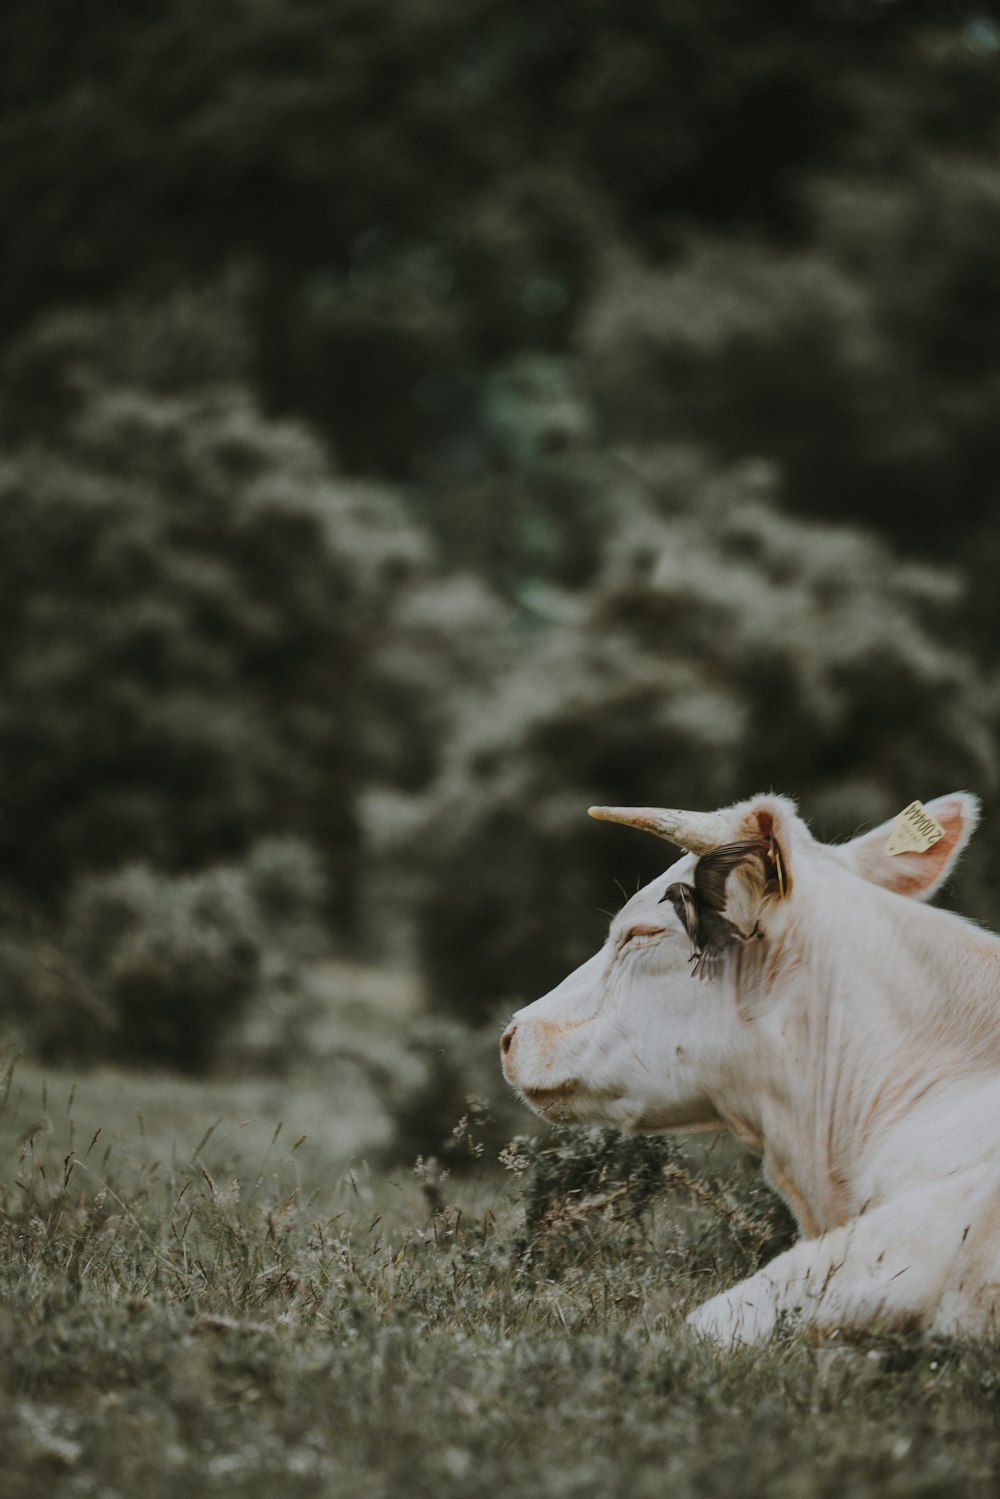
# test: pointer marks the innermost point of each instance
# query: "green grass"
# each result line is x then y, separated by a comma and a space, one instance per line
203, 1303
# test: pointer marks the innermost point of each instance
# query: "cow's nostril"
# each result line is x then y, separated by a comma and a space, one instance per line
507, 1038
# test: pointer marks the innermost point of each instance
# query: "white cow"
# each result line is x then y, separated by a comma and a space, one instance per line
848, 1034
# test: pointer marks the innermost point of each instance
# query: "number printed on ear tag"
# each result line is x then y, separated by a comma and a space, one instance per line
914, 831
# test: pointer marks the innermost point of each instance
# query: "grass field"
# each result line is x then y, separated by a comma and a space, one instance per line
206, 1291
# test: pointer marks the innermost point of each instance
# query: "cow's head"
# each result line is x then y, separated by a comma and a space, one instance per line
645, 1034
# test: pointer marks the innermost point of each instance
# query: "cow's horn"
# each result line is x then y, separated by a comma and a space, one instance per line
695, 831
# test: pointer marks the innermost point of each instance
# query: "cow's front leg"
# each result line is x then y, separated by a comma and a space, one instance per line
886, 1269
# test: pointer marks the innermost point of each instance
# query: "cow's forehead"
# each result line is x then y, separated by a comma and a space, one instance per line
653, 893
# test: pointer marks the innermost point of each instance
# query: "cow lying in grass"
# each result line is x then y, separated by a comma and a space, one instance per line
786, 990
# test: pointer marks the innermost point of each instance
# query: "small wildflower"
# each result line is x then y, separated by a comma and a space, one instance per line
227, 1197
513, 1158
462, 1133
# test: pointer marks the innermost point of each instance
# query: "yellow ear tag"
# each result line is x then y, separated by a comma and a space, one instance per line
779, 869
914, 831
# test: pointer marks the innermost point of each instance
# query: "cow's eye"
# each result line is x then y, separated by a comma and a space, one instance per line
636, 934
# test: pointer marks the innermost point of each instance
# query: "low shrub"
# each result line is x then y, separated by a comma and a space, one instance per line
175, 958
585, 1189
168, 964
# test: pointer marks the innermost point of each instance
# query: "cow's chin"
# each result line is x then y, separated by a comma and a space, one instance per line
571, 1103
552, 1103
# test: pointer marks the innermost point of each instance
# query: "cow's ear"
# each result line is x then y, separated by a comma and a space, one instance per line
917, 874
773, 822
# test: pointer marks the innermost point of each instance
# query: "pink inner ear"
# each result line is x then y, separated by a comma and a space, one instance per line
913, 881
765, 822
913, 875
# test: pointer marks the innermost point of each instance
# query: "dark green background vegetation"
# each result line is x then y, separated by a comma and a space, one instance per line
420, 421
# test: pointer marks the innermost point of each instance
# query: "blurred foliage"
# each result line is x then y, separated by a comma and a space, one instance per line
414, 199
417, 423
304, 128
175, 958
191, 605
863, 364
155, 968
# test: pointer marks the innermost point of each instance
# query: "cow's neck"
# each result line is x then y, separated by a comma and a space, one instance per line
846, 1068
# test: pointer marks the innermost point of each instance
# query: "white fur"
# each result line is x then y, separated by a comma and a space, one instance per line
857, 1048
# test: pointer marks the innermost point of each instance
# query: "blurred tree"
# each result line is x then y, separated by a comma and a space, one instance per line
927, 441
752, 352
866, 369
186, 594
441, 647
